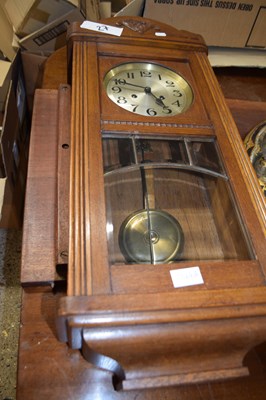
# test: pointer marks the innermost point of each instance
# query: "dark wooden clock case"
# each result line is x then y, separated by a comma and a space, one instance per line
129, 319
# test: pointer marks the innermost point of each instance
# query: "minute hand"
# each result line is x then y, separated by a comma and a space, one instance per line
133, 84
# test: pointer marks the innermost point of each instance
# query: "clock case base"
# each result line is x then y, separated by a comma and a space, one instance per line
168, 340
163, 338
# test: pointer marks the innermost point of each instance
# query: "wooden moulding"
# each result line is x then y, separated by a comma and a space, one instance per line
63, 160
163, 337
167, 338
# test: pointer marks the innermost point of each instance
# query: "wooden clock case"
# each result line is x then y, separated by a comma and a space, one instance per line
128, 318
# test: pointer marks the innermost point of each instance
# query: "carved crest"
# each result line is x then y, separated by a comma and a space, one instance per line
137, 26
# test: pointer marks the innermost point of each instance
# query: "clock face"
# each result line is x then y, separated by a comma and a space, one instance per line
148, 89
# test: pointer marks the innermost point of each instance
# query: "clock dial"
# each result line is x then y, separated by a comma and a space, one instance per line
148, 89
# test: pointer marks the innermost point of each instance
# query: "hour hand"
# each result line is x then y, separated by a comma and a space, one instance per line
158, 100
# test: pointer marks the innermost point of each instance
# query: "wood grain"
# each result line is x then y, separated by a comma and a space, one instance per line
39, 233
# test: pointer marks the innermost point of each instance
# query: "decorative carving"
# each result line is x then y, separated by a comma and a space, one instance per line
137, 26
158, 124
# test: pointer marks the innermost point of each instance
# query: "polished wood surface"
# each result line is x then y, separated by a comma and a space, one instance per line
48, 368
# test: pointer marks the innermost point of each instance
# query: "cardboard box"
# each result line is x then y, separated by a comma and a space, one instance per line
44, 23
133, 8
33, 64
218, 56
90, 9
232, 57
53, 35
239, 24
27, 16
6, 36
5, 76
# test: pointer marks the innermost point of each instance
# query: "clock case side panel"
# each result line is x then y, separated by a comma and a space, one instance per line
87, 260
244, 183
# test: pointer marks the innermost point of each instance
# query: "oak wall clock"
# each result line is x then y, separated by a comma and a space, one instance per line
167, 261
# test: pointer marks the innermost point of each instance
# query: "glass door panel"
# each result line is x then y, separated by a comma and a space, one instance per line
168, 201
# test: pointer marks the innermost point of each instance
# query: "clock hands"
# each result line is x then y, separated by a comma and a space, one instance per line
147, 90
158, 100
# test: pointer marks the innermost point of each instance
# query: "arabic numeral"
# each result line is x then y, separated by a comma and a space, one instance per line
121, 100
170, 84
167, 110
151, 112
176, 103
120, 81
116, 89
135, 107
145, 74
177, 93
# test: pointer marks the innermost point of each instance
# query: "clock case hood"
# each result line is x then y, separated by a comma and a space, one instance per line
164, 336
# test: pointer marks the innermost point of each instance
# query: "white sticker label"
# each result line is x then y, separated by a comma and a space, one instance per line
186, 277
95, 26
